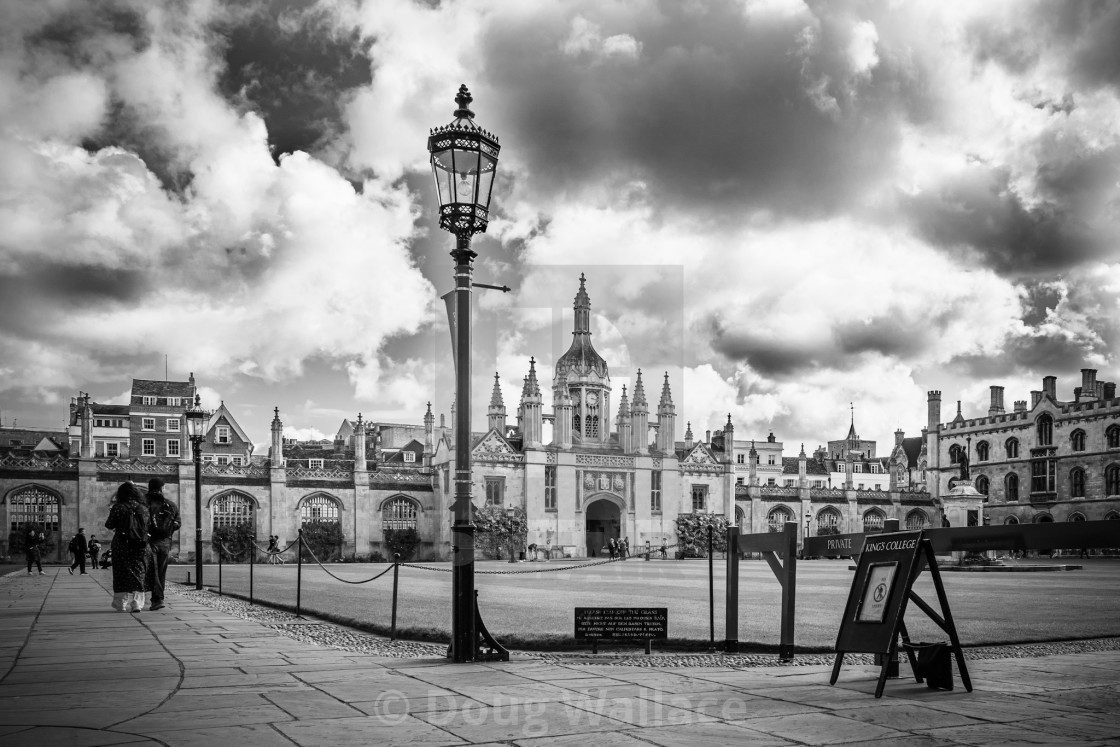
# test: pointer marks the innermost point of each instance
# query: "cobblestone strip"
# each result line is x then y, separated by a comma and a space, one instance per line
346, 639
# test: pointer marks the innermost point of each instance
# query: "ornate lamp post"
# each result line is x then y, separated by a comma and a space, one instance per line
197, 418
464, 161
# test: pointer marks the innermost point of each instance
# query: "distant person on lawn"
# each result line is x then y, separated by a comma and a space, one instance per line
94, 551
32, 541
164, 522
78, 549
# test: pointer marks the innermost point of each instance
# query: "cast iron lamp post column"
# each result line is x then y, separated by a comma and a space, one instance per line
464, 159
511, 513
196, 419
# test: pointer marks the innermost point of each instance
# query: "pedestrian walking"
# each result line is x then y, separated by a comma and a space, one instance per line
625, 547
78, 549
32, 544
274, 550
612, 547
94, 551
128, 517
164, 522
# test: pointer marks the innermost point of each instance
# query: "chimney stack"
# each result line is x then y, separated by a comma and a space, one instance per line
1088, 383
1021, 405
898, 436
1036, 397
1109, 389
1050, 387
996, 407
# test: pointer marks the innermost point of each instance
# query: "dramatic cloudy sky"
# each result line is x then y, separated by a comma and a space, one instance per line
787, 206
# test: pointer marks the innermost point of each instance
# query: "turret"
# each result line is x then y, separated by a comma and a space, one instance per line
666, 420
802, 468
753, 470
562, 409
360, 445
530, 409
639, 417
87, 427
688, 435
429, 436
624, 427
276, 452
496, 415
729, 440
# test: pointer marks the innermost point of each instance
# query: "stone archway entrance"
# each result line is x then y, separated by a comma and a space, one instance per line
604, 522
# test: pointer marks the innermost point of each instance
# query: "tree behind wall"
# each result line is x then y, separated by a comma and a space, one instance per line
692, 534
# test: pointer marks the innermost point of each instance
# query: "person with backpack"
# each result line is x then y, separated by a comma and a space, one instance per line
94, 551
128, 517
164, 522
78, 549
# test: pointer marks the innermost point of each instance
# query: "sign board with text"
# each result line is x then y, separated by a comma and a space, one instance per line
887, 567
634, 623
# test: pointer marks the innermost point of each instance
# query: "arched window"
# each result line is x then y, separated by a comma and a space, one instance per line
1112, 480
399, 513
917, 519
1076, 516
955, 452
318, 508
982, 486
1044, 427
1112, 516
1077, 483
1112, 437
231, 510
982, 451
1011, 487
33, 505
1012, 447
873, 520
1043, 519
777, 518
828, 521
1010, 520
739, 516
1077, 440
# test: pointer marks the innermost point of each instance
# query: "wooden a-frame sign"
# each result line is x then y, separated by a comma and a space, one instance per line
889, 564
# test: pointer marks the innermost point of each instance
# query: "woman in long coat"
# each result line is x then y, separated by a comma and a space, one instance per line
130, 558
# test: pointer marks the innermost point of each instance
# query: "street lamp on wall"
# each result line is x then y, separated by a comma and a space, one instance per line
197, 418
464, 160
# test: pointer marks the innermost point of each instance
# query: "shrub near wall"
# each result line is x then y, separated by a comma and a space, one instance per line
692, 534
402, 542
492, 536
324, 538
234, 543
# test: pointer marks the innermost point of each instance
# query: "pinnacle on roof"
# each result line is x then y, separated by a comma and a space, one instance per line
852, 429
624, 406
536, 388
666, 395
639, 390
959, 418
729, 426
802, 454
581, 356
496, 395
688, 431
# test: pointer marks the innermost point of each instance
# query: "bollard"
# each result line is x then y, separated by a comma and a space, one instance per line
252, 563
393, 624
188, 578
299, 570
711, 591
647, 550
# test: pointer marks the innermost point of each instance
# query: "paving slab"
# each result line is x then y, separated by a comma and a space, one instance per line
195, 675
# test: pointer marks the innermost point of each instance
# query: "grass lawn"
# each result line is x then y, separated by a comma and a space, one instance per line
534, 610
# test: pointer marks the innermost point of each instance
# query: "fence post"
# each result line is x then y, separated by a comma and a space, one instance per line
252, 563
299, 569
891, 660
711, 590
396, 568
220, 553
731, 611
789, 591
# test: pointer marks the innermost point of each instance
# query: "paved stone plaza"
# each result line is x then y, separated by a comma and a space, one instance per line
75, 673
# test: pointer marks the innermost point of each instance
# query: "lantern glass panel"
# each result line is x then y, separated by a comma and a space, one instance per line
465, 163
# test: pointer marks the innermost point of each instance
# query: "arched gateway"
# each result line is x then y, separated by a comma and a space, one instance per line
604, 522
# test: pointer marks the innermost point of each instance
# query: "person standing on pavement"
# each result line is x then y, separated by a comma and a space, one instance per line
31, 544
164, 523
78, 548
128, 517
94, 551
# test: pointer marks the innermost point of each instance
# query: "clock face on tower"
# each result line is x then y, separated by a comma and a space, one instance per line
592, 398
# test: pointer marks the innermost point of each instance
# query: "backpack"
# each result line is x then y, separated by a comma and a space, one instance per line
73, 545
164, 521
